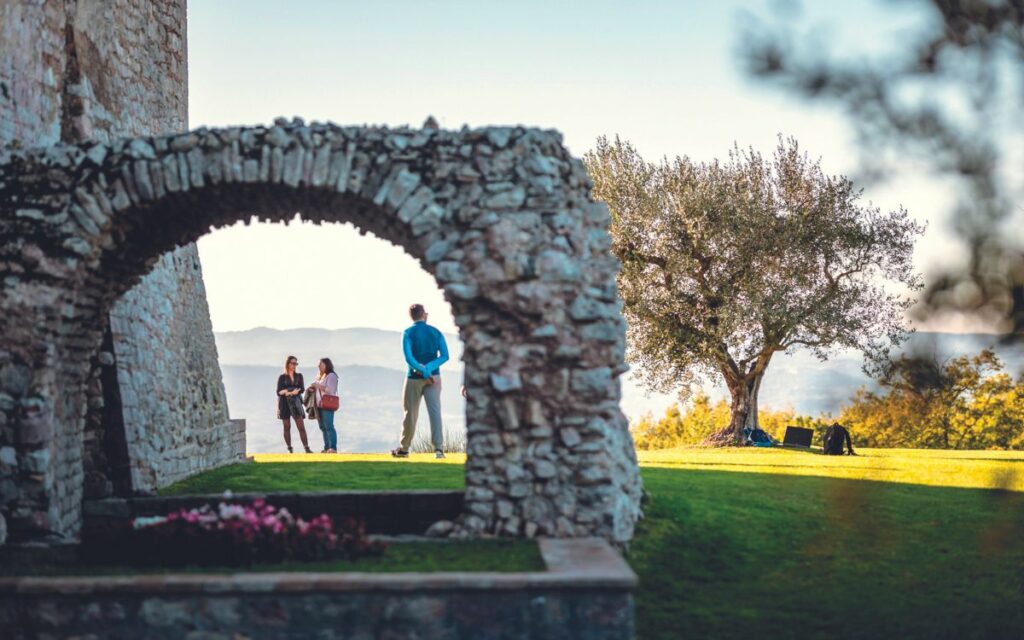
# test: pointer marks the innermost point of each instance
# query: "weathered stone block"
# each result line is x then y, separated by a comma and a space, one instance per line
107, 508
35, 429
506, 382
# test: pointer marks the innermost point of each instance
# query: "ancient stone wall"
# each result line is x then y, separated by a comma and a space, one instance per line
73, 70
77, 70
32, 63
502, 217
172, 398
297, 612
108, 376
584, 593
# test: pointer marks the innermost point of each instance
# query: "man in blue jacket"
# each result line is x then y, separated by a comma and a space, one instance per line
425, 351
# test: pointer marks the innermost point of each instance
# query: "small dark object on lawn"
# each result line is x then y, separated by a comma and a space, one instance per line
835, 436
798, 437
759, 438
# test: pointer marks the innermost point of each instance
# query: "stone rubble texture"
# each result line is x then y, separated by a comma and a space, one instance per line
109, 381
548, 614
76, 71
549, 452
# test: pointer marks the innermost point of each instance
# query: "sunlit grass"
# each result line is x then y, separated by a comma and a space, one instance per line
373, 471
773, 543
327, 472
937, 468
451, 458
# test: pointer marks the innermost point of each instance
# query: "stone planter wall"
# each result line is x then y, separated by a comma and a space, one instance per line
585, 594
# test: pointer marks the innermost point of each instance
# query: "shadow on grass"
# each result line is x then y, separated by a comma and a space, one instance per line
738, 555
430, 557
266, 477
815, 467
999, 460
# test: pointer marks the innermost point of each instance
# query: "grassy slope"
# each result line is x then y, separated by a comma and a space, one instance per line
786, 544
798, 545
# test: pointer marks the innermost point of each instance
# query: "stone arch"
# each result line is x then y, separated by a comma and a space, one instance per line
501, 217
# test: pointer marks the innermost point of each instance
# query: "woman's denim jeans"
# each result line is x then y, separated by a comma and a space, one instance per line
327, 429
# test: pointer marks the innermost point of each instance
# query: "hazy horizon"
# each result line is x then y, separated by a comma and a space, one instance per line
369, 328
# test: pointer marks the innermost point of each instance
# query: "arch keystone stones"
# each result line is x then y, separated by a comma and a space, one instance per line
502, 217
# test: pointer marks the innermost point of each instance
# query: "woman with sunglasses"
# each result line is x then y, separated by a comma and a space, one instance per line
289, 403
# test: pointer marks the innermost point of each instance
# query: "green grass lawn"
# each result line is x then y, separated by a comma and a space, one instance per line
295, 472
771, 543
781, 544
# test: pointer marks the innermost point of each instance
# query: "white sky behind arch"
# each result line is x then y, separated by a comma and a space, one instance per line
246, 271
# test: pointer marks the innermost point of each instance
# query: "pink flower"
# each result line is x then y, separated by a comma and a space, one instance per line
258, 528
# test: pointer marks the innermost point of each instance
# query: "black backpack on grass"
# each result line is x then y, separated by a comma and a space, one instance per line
835, 436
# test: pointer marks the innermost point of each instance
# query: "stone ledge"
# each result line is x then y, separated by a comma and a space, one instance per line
589, 564
585, 593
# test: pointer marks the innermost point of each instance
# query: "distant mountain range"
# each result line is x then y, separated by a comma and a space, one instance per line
371, 370
370, 347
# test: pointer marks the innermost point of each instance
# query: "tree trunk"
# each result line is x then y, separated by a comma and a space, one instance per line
744, 411
744, 406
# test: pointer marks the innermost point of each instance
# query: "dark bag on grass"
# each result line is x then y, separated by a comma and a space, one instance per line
759, 438
835, 436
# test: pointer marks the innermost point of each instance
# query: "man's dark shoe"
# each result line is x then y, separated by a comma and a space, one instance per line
399, 453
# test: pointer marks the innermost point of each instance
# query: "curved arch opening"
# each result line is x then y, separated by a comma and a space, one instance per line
157, 446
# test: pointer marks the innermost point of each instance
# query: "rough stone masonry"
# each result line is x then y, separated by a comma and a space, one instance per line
501, 216
81, 70
102, 299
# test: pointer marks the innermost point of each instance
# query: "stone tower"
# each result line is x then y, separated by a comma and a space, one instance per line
77, 70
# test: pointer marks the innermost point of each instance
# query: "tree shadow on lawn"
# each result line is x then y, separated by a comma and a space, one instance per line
815, 467
737, 555
993, 459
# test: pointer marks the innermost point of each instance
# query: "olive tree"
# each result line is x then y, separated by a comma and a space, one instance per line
725, 264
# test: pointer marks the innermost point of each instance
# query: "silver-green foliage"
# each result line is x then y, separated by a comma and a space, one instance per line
726, 263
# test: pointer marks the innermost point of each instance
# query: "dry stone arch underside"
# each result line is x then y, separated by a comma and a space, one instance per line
502, 217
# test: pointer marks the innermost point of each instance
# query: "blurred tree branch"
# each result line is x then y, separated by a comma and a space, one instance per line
952, 97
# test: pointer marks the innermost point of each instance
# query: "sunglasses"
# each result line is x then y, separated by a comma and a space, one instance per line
293, 362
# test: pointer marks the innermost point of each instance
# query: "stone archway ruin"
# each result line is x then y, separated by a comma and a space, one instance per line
501, 217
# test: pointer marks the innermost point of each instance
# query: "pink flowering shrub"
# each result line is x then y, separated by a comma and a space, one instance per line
235, 534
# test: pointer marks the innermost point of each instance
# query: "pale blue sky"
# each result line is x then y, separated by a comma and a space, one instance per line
665, 75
